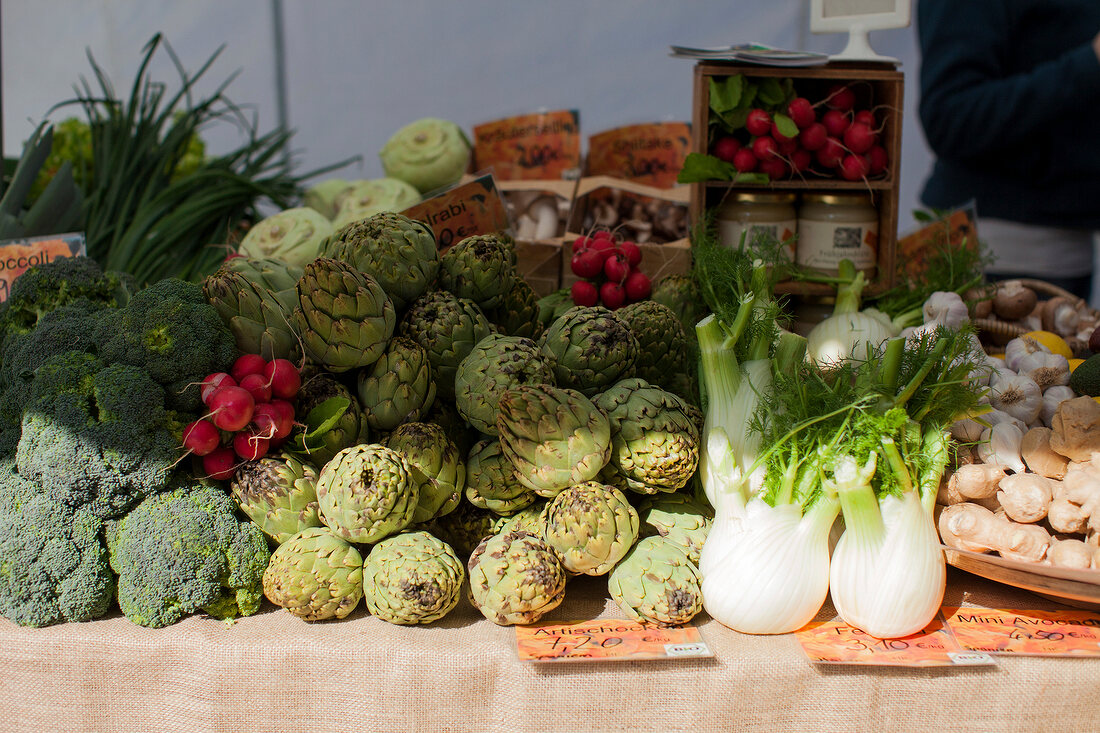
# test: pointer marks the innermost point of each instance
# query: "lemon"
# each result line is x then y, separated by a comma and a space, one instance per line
1074, 363
1052, 341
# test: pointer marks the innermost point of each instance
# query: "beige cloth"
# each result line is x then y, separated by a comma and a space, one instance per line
272, 672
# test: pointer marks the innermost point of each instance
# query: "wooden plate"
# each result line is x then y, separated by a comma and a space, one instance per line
1079, 588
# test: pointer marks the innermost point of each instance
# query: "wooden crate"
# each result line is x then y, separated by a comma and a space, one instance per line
884, 86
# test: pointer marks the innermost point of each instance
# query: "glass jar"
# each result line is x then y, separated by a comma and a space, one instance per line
755, 214
837, 226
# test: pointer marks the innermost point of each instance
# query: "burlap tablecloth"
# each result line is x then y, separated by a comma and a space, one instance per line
272, 673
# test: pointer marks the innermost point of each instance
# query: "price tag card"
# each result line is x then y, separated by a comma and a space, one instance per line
1032, 633
467, 208
16, 255
835, 642
607, 640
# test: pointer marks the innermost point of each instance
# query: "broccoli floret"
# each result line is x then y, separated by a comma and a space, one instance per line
72, 327
44, 288
185, 551
96, 437
171, 332
53, 559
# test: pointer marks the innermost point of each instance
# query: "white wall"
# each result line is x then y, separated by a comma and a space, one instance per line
357, 71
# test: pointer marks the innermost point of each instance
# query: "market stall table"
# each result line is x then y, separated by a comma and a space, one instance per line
273, 672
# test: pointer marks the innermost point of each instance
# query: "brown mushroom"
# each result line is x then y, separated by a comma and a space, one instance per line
1013, 300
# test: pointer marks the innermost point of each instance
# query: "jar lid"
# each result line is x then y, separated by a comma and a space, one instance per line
746, 197
838, 199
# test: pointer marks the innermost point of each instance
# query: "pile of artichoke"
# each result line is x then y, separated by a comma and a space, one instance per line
466, 439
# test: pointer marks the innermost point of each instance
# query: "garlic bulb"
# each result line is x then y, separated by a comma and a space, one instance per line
1017, 395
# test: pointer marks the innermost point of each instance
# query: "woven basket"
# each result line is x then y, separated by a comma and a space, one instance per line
1005, 330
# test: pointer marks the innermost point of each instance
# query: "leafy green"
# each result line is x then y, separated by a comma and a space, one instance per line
700, 167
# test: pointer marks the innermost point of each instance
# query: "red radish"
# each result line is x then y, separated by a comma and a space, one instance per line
231, 408
201, 437
841, 97
865, 117
801, 112
764, 148
854, 167
637, 286
250, 446
813, 137
212, 382
587, 263
584, 292
836, 122
831, 153
600, 234
859, 138
247, 364
744, 161
258, 386
284, 378
612, 295
284, 417
800, 160
878, 160
774, 168
725, 147
232, 256
758, 122
632, 251
220, 464
617, 267
580, 243
788, 146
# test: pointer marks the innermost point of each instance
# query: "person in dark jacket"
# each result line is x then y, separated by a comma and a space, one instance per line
1010, 105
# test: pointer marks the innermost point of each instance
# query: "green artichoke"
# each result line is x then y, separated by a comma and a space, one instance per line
554, 437
412, 578
367, 492
343, 316
448, 327
399, 252
279, 494
429, 153
657, 584
255, 298
517, 314
681, 294
654, 438
463, 528
444, 415
515, 578
529, 519
438, 469
315, 575
496, 364
293, 236
398, 388
368, 197
591, 526
478, 268
663, 345
679, 518
491, 481
591, 349
350, 429
554, 305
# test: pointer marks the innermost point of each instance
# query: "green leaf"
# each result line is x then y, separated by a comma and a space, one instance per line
320, 420
771, 92
725, 95
699, 167
785, 125
732, 121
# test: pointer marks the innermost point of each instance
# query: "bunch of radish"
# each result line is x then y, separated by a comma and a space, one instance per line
609, 272
830, 138
250, 411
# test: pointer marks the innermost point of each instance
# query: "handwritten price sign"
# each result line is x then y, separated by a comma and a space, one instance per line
1033, 633
607, 639
834, 642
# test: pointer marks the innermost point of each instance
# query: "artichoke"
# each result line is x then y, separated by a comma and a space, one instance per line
663, 345
591, 526
429, 153
366, 198
412, 578
515, 578
350, 429
478, 268
438, 469
463, 528
399, 252
554, 437
591, 349
398, 388
315, 575
491, 481
279, 494
255, 298
343, 316
517, 314
528, 519
654, 438
496, 364
554, 305
679, 518
366, 493
681, 294
293, 236
448, 327
656, 583
444, 415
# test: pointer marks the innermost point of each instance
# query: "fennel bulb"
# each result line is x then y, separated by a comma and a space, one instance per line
849, 332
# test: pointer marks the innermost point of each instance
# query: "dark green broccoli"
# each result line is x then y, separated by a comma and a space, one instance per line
72, 327
96, 437
186, 551
53, 559
170, 331
46, 287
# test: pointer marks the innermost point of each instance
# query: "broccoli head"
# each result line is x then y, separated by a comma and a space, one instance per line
96, 437
170, 331
185, 551
72, 327
53, 559
44, 288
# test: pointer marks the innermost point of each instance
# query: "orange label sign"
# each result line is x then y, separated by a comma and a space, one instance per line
607, 639
537, 146
835, 642
957, 230
16, 255
652, 154
1032, 633
463, 211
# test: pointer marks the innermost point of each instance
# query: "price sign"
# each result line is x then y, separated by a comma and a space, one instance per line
466, 209
834, 642
607, 639
1032, 633
17, 255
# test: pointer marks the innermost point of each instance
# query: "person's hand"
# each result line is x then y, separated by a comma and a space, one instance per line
1096, 46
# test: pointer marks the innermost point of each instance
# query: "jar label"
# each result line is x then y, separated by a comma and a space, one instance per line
730, 230
822, 245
